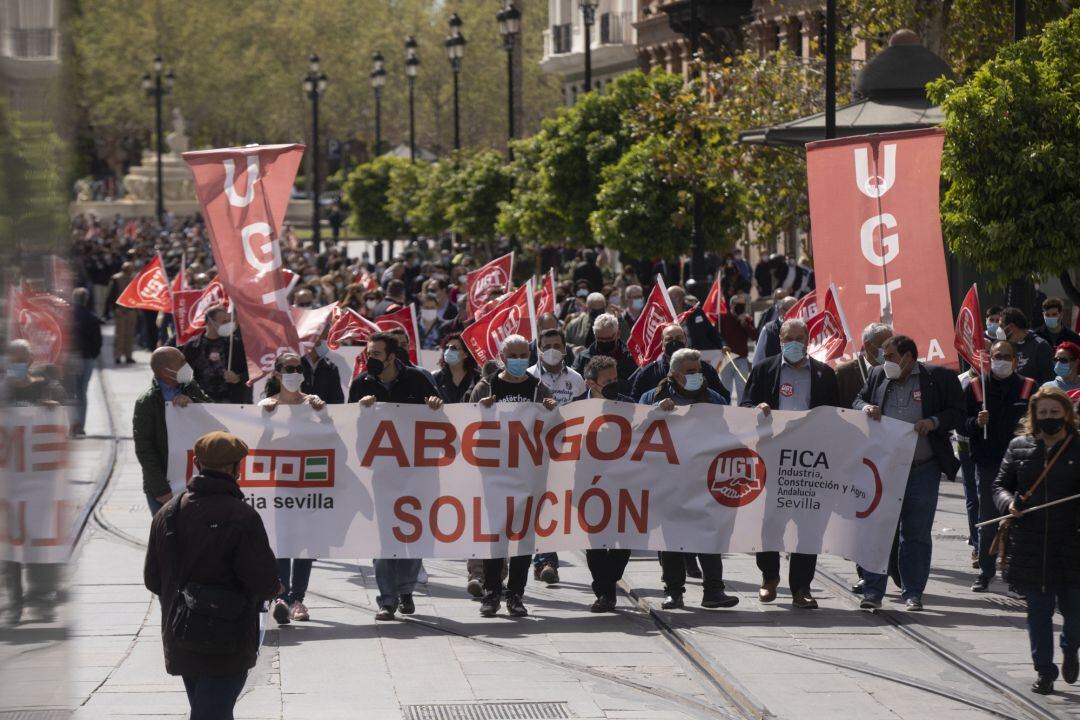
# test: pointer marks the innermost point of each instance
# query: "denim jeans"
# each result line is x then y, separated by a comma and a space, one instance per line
153, 504
212, 697
1040, 620
916, 534
294, 574
395, 577
984, 477
80, 381
971, 497
542, 559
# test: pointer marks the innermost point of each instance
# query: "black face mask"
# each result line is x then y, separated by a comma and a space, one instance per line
610, 391
672, 345
1050, 426
595, 313
375, 366
605, 347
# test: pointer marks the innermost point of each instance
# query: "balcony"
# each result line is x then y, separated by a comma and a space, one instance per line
562, 39
615, 28
28, 43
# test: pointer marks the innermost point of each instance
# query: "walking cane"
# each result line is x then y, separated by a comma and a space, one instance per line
232, 318
731, 361
1025, 511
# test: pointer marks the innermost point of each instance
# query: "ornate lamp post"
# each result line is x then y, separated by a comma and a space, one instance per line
378, 79
412, 63
158, 86
588, 15
455, 49
314, 85
509, 27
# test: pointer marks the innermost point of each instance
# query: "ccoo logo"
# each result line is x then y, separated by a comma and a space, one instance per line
736, 477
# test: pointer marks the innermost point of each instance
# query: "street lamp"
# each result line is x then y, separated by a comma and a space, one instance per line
588, 14
314, 85
158, 86
378, 79
509, 27
455, 49
412, 62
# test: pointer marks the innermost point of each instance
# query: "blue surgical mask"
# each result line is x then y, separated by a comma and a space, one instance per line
991, 329
1061, 369
451, 356
517, 366
1051, 321
322, 350
637, 303
694, 381
17, 370
794, 351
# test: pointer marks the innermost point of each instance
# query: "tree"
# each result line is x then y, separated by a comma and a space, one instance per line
367, 190
1012, 137
478, 185
403, 193
427, 216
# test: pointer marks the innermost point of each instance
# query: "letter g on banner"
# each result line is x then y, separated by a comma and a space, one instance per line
266, 257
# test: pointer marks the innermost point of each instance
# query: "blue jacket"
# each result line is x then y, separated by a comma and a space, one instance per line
655, 395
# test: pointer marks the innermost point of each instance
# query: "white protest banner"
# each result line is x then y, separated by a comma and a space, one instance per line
464, 481
35, 515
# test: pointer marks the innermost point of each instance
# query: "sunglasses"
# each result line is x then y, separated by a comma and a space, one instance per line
287, 369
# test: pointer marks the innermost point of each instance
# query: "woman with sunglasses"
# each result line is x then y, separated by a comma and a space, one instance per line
1067, 370
283, 388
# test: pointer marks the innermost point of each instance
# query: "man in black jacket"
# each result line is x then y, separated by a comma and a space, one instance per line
931, 399
606, 332
992, 413
321, 376
647, 377
1034, 356
217, 356
790, 381
768, 342
218, 541
86, 329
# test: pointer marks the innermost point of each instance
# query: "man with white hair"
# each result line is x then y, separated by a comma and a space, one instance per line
851, 375
768, 343
790, 381
607, 342
579, 330
513, 384
685, 385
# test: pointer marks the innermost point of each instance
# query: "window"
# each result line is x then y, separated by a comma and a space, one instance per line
27, 29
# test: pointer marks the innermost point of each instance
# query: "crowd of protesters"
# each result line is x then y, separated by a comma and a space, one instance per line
1008, 434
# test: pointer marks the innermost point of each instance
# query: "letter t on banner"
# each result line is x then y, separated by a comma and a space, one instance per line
244, 193
876, 233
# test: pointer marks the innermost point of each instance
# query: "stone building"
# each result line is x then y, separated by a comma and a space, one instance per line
613, 43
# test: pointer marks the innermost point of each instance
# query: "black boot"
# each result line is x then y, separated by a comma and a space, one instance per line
1044, 685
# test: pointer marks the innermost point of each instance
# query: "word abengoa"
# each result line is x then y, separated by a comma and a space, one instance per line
466, 481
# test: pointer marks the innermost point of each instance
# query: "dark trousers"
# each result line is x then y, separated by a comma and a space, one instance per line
519, 575
801, 569
674, 566
1040, 621
971, 496
212, 697
294, 574
607, 568
40, 589
984, 480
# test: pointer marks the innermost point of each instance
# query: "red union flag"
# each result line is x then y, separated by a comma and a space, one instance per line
244, 193
349, 327
827, 330
310, 323
149, 290
714, 303
545, 295
403, 319
514, 315
877, 233
968, 340
496, 274
190, 306
42, 320
805, 308
645, 341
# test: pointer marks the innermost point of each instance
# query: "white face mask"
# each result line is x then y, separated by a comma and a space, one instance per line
892, 370
370, 304
429, 314
292, 381
552, 356
185, 375
1001, 368
226, 329
1000, 333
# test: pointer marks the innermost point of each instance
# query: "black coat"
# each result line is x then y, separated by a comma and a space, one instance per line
763, 385
222, 542
410, 387
700, 333
87, 331
323, 380
942, 398
648, 378
209, 358
451, 393
1043, 550
625, 366
1006, 401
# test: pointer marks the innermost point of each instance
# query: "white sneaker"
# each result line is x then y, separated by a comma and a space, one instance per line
422, 576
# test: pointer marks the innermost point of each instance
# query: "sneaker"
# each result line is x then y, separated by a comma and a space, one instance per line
1043, 685
299, 611
422, 576
385, 614
407, 606
490, 605
549, 574
603, 604
280, 611
980, 585
870, 602
712, 599
475, 586
913, 605
858, 587
673, 602
1014, 593
515, 607
1070, 666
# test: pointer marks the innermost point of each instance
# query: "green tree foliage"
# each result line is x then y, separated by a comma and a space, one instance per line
407, 180
367, 191
1010, 160
478, 185
33, 212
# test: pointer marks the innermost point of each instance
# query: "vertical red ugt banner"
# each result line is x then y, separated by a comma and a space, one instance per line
244, 193
877, 234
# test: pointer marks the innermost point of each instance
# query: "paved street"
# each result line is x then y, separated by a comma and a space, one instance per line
754, 660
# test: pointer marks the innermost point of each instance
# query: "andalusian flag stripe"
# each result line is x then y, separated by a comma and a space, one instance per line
316, 468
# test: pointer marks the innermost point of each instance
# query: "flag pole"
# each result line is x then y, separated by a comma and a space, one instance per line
232, 317
982, 369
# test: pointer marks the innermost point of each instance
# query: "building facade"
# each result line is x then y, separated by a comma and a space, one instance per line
29, 53
613, 43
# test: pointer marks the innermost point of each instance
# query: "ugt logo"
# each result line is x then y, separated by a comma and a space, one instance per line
736, 477
282, 468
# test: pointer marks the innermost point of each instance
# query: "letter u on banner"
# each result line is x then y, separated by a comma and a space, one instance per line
876, 234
